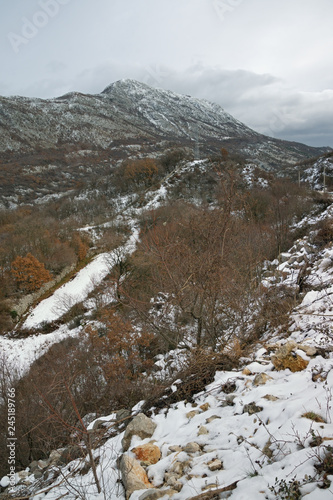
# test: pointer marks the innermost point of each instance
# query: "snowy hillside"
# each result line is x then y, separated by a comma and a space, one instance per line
262, 429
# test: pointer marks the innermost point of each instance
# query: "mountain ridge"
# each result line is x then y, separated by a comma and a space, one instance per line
128, 111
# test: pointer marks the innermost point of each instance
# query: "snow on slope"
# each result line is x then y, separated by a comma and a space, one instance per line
78, 288
254, 448
20, 354
258, 432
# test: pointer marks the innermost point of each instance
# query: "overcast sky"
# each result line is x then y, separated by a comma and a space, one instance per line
267, 62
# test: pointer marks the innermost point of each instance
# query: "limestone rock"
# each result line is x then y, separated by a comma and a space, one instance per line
192, 447
54, 457
42, 464
192, 414
309, 350
34, 465
246, 371
270, 397
285, 357
174, 483
203, 430
133, 475
141, 426
178, 468
215, 464
205, 407
261, 379
23, 474
213, 417
148, 453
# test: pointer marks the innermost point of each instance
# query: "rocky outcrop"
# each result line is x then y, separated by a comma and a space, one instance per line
148, 453
141, 426
286, 358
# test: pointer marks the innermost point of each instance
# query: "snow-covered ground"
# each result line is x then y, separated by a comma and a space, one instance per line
257, 435
79, 287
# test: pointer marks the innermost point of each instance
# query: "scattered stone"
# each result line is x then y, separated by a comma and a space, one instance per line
215, 464
309, 350
210, 419
148, 453
252, 408
192, 414
34, 465
141, 426
192, 447
203, 430
285, 357
173, 482
133, 475
23, 474
205, 407
42, 464
261, 379
270, 397
246, 371
38, 474
54, 457
178, 468
169, 475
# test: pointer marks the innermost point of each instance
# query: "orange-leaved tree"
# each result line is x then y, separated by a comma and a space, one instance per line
29, 273
141, 172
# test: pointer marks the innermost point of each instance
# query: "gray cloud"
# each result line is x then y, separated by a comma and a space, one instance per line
267, 63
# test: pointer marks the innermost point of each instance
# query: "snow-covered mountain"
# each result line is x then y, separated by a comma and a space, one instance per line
131, 112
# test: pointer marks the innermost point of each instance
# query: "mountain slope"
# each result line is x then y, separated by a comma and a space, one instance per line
131, 112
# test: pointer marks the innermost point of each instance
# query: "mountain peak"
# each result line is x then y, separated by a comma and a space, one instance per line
125, 84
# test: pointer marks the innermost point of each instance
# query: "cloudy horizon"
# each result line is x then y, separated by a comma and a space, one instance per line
267, 64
